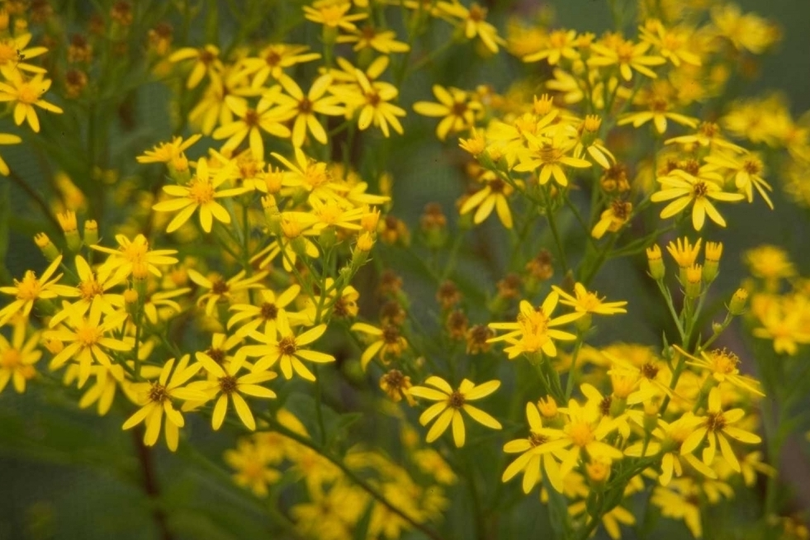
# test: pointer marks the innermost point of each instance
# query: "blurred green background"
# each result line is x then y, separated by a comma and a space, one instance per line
66, 474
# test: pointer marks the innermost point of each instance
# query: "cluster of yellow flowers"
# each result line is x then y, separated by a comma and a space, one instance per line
236, 263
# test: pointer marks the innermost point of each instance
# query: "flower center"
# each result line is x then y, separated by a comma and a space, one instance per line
649, 371
29, 288
497, 185
715, 421
90, 289
10, 359
269, 311
752, 166
459, 108
158, 393
273, 59
604, 405
580, 433
217, 355
456, 400
8, 52
390, 334
228, 384
724, 362
535, 439
27, 93
700, 189
88, 335
251, 118
549, 154
287, 346
477, 13
201, 191
305, 106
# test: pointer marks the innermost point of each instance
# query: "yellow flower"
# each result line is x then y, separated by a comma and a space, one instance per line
206, 61
681, 502
162, 300
716, 427
87, 338
784, 323
273, 59
199, 193
547, 156
373, 98
389, 341
26, 94
672, 43
558, 45
228, 386
311, 176
305, 107
747, 169
284, 346
769, 262
588, 302
219, 290
687, 189
92, 291
369, 37
168, 152
723, 367
628, 56
473, 20
397, 386
31, 289
251, 462
583, 433
457, 107
264, 311
535, 450
7, 138
451, 403
684, 253
157, 401
251, 122
134, 255
334, 15
707, 136
17, 357
492, 197
613, 219
13, 51
534, 328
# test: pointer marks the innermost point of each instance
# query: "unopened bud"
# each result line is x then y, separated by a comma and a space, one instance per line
90, 232
711, 265
70, 227
46, 246
370, 220
738, 302
656, 263
598, 471
694, 275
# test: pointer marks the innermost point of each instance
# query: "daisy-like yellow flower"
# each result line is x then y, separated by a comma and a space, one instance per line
783, 323
584, 431
88, 341
157, 397
536, 452
18, 356
91, 290
264, 312
628, 56
687, 189
456, 108
398, 386
373, 99
683, 252
134, 256
30, 289
285, 347
681, 501
548, 156
669, 439
273, 59
451, 403
7, 138
708, 135
217, 289
228, 386
369, 37
305, 108
339, 304
199, 193
26, 93
747, 170
310, 175
168, 152
558, 45
716, 426
13, 51
206, 61
386, 341
492, 197
722, 364
473, 20
586, 302
251, 122
658, 111
613, 219
334, 15
534, 330
252, 465
671, 43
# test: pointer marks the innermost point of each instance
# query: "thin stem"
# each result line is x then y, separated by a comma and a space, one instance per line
150, 485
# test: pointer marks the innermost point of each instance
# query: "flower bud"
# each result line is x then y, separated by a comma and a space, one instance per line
598, 471
70, 227
46, 246
370, 220
738, 302
711, 265
90, 232
131, 301
694, 275
656, 263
